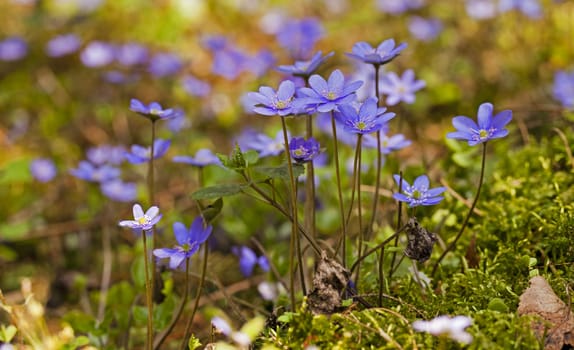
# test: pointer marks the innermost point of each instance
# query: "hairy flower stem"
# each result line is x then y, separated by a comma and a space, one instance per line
340, 193
357, 185
294, 231
148, 294
370, 228
399, 213
309, 222
187, 332
450, 247
163, 335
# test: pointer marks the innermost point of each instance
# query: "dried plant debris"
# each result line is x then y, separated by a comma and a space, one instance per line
329, 282
420, 241
558, 325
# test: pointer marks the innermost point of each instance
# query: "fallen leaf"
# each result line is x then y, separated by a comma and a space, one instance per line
558, 325
329, 282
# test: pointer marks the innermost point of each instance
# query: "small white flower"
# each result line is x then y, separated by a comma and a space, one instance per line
453, 327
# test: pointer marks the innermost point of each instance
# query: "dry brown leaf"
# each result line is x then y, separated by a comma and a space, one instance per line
539, 299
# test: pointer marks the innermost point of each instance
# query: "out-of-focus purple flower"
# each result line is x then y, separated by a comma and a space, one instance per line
400, 89
202, 158
140, 154
195, 87
302, 150
248, 260
228, 62
299, 36
419, 193
214, 42
270, 102
369, 118
178, 121
392, 143
263, 144
119, 191
188, 240
153, 111
62, 45
269, 291
488, 126
43, 169
325, 96
117, 77
425, 29
90, 172
481, 9
396, 7
260, 63
382, 54
13, 49
106, 154
132, 54
164, 64
454, 327
530, 8
272, 21
98, 54
141, 221
305, 68
563, 89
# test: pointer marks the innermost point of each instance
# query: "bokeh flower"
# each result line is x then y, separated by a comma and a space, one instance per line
530, 8
131, 54
263, 144
563, 89
98, 54
164, 64
142, 221
62, 45
305, 68
419, 193
189, 241
384, 53
195, 87
489, 127
299, 36
248, 260
140, 154
118, 190
325, 95
400, 89
481, 9
425, 29
396, 7
153, 111
269, 102
95, 173
13, 49
202, 158
451, 327
367, 119
43, 169
302, 150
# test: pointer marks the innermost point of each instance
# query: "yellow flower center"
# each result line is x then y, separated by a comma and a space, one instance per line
483, 134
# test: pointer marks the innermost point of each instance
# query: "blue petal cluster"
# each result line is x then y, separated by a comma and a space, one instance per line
419, 193
488, 127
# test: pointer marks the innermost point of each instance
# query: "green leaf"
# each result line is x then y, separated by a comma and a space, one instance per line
281, 171
140, 315
7, 254
7, 333
16, 171
253, 327
286, 317
13, 231
217, 191
193, 343
211, 211
251, 157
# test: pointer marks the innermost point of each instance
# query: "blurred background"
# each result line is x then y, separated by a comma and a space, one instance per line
68, 69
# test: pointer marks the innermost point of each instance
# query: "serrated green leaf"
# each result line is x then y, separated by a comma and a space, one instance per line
217, 191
